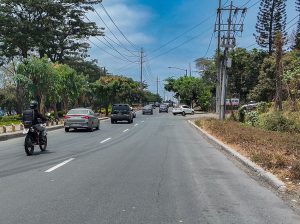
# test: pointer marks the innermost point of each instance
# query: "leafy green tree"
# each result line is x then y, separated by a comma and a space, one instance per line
190, 90
265, 89
271, 19
244, 73
291, 77
71, 88
35, 75
90, 69
53, 28
8, 100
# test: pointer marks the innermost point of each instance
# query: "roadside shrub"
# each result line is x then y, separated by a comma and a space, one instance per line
252, 118
276, 121
242, 113
61, 113
11, 118
263, 107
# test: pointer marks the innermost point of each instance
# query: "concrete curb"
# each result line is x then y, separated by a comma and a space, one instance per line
266, 176
18, 134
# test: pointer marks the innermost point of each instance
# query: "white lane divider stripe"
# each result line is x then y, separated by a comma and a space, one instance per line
136, 124
126, 130
58, 165
105, 140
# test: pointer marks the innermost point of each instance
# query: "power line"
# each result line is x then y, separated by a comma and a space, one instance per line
292, 25
102, 6
211, 38
110, 53
254, 4
120, 43
174, 48
182, 34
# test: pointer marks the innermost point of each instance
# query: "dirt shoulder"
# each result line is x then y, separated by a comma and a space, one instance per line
278, 153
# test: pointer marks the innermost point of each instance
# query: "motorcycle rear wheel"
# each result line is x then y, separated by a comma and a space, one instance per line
43, 144
29, 147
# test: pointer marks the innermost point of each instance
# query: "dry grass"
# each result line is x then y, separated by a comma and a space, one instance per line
277, 152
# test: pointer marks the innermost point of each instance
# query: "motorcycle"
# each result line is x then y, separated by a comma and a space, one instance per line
34, 137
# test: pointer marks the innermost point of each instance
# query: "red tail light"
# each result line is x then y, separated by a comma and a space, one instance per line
85, 117
67, 117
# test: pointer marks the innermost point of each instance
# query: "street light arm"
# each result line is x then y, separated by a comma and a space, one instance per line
180, 69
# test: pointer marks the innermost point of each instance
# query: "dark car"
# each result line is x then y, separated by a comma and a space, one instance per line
121, 112
163, 108
148, 109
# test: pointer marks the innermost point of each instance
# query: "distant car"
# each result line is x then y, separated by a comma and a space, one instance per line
183, 110
157, 104
121, 112
163, 108
148, 109
152, 105
81, 118
252, 105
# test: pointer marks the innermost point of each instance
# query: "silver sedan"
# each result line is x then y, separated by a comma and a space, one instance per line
81, 118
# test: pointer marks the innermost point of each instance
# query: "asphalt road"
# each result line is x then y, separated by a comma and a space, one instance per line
156, 170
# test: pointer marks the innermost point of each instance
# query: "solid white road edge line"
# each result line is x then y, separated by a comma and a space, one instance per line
58, 165
105, 140
126, 130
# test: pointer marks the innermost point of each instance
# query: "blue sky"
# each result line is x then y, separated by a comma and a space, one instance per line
152, 23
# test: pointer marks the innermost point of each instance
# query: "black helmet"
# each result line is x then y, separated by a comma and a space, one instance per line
34, 104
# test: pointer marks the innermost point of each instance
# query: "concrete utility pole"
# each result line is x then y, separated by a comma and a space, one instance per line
142, 57
157, 82
218, 86
230, 29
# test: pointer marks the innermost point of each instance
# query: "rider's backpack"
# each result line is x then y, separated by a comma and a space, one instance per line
28, 118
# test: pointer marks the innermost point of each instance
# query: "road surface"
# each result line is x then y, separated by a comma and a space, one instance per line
156, 170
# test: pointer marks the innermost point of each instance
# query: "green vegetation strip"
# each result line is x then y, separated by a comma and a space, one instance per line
7, 123
274, 151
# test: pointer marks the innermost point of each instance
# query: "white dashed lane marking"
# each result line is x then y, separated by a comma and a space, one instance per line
58, 165
105, 140
126, 130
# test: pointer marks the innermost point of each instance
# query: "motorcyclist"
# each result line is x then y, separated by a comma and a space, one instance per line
36, 123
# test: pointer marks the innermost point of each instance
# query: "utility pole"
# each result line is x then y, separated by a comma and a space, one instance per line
218, 86
230, 29
157, 81
190, 69
142, 57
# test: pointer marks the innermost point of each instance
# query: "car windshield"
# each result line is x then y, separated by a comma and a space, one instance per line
148, 107
78, 111
120, 107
